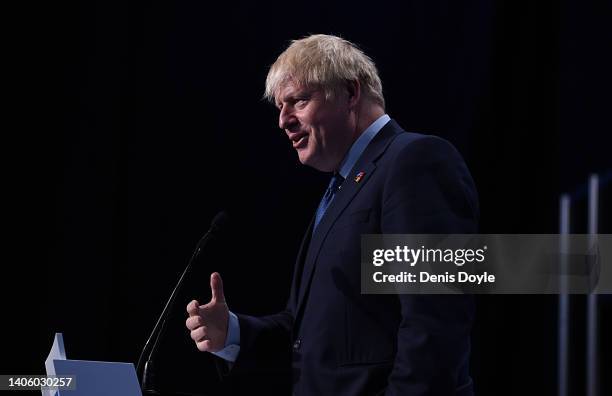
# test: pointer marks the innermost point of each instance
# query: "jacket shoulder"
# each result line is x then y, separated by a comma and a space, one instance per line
420, 146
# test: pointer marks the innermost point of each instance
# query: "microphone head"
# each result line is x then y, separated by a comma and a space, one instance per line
219, 222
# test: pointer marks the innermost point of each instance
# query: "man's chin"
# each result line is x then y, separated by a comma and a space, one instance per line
307, 160
304, 158
318, 165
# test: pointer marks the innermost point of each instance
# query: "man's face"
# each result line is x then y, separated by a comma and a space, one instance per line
319, 128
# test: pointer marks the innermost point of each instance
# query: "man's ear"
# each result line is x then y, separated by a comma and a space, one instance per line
354, 93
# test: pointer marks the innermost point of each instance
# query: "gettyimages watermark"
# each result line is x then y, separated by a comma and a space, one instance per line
486, 264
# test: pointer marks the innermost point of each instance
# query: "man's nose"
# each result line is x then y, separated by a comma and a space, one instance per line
286, 118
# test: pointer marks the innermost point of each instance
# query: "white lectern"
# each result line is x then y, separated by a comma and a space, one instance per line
91, 378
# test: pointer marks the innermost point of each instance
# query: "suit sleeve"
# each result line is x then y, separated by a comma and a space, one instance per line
265, 354
429, 190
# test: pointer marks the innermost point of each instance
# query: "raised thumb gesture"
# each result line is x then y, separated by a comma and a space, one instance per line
208, 322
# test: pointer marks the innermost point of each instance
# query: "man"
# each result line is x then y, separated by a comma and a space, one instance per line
385, 180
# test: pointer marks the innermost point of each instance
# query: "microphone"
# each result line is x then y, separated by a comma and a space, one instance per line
146, 367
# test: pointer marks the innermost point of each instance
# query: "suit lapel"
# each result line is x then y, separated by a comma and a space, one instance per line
299, 267
349, 188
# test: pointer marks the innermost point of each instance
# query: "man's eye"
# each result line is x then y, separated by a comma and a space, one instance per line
301, 102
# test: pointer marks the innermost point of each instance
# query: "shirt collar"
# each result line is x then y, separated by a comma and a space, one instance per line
360, 145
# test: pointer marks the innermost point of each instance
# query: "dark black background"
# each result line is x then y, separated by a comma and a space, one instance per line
133, 124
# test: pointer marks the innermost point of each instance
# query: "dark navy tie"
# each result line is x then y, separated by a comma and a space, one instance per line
333, 187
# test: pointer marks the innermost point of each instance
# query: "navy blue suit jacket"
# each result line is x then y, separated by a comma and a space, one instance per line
336, 340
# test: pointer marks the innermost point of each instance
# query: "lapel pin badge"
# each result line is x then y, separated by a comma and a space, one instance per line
359, 176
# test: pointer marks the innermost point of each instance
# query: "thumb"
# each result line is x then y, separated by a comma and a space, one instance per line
216, 286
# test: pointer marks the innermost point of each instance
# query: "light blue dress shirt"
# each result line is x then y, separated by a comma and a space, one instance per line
360, 145
232, 341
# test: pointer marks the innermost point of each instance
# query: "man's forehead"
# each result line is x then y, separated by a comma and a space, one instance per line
290, 89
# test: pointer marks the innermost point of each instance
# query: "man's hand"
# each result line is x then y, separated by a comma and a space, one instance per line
208, 323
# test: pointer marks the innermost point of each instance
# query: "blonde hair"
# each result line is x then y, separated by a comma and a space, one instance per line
325, 61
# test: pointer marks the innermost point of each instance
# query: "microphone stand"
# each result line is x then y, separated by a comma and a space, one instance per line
145, 368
